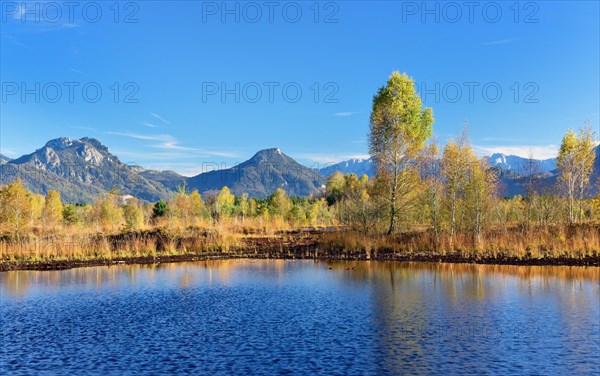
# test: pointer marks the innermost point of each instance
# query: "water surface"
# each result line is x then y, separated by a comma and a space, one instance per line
301, 317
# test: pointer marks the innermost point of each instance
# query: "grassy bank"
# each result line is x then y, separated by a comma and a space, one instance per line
558, 245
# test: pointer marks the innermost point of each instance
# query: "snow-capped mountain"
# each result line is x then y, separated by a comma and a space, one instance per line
352, 166
520, 165
4, 159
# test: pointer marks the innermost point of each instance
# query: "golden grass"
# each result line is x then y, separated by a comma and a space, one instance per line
253, 236
551, 242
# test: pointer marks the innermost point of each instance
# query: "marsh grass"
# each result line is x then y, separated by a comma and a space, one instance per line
577, 241
254, 238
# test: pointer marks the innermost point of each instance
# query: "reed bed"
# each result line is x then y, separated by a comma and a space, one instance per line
243, 239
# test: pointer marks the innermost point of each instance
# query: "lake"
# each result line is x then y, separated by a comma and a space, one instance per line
301, 317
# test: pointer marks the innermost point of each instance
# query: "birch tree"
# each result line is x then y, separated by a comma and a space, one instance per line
575, 162
399, 127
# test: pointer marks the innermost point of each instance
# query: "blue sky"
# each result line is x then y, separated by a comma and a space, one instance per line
189, 83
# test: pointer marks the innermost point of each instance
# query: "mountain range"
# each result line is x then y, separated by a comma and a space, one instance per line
519, 165
352, 166
82, 169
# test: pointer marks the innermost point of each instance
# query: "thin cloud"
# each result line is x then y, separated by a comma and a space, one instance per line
188, 169
157, 116
137, 136
16, 42
149, 125
538, 151
170, 143
77, 71
500, 41
174, 146
344, 114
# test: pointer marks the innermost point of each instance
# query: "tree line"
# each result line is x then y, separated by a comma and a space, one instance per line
418, 186
22, 211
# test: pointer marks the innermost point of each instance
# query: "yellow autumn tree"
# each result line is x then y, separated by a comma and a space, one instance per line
224, 203
15, 207
133, 215
107, 211
575, 163
454, 172
52, 213
279, 203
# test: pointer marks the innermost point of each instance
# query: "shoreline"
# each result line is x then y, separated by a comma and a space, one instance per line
161, 246
64, 264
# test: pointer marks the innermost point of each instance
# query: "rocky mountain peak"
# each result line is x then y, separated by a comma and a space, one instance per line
60, 143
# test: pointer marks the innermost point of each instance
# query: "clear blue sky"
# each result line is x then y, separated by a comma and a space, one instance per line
178, 55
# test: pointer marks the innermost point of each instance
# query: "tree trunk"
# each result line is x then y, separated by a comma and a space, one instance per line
392, 213
393, 198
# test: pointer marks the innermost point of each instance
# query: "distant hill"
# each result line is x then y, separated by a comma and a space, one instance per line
520, 165
514, 184
259, 176
80, 170
352, 166
170, 179
513, 163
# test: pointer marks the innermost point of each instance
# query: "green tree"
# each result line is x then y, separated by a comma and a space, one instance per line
160, 209
399, 127
70, 214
